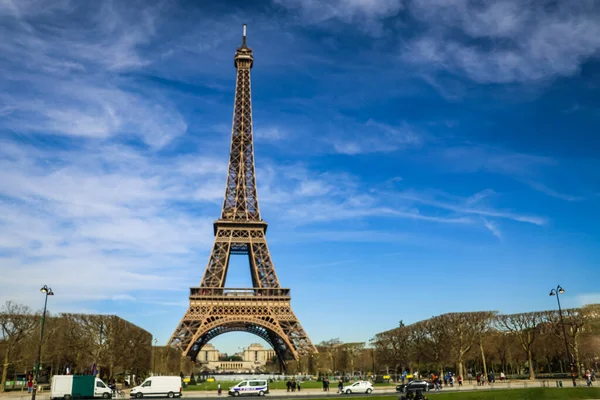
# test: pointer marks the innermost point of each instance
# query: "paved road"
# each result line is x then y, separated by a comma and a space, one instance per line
317, 393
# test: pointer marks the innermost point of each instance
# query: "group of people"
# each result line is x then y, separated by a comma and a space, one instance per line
292, 385
490, 378
448, 379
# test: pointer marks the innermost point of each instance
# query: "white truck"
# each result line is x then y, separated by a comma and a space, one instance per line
78, 387
158, 386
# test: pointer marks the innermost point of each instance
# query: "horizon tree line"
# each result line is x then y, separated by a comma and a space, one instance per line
73, 341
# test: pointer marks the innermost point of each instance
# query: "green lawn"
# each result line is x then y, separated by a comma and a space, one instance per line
513, 394
272, 385
496, 394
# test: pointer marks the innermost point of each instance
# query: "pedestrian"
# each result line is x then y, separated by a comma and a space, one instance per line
324, 384
29, 385
293, 385
298, 385
340, 385
219, 390
478, 379
459, 381
289, 385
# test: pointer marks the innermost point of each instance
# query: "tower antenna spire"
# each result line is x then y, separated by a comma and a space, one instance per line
244, 37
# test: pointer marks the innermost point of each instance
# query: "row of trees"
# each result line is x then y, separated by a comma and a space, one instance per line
526, 343
74, 340
532, 342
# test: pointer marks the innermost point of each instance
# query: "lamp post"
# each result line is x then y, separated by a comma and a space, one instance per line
154, 357
47, 292
556, 292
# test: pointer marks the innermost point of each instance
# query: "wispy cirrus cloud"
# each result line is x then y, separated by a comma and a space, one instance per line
528, 169
79, 92
492, 227
504, 41
367, 14
467, 207
375, 137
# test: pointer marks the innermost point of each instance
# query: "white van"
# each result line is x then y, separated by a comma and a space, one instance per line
251, 386
158, 386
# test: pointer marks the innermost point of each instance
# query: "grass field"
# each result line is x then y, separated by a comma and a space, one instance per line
273, 385
498, 394
519, 394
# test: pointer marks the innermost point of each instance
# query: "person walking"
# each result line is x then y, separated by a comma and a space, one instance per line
29, 385
340, 385
298, 385
289, 385
219, 390
459, 381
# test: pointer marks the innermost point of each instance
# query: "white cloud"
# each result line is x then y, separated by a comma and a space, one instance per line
72, 217
466, 207
374, 137
273, 133
367, 14
492, 227
506, 41
65, 81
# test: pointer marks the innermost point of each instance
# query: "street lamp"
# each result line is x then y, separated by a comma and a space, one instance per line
47, 292
154, 357
556, 292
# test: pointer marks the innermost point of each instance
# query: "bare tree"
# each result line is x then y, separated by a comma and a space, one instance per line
463, 331
525, 327
436, 336
393, 347
17, 322
330, 348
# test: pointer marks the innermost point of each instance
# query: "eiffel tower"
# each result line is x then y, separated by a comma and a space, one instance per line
264, 309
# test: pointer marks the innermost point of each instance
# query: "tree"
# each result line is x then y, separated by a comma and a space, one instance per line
349, 353
525, 327
17, 322
393, 347
463, 331
330, 348
436, 335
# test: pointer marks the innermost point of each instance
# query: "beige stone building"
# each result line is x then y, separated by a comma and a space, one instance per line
208, 354
254, 359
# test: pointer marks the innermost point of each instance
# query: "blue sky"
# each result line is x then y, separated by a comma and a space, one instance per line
413, 157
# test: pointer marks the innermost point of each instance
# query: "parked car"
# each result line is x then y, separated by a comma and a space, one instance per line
358, 387
413, 386
258, 387
158, 386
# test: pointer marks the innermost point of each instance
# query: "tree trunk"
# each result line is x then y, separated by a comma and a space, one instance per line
483, 359
530, 359
461, 371
562, 370
5, 368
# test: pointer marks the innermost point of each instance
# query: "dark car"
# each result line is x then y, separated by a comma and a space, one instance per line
414, 386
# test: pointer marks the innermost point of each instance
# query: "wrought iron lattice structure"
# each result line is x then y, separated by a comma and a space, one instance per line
264, 309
